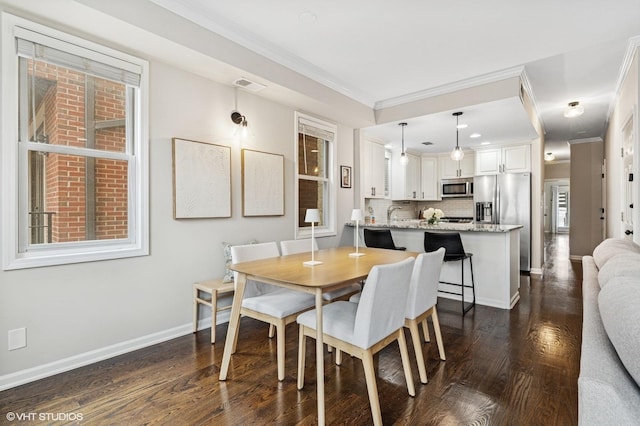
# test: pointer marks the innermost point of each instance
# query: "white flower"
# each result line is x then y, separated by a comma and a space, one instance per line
428, 214
438, 213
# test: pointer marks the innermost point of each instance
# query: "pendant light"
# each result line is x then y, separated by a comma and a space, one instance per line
404, 160
457, 154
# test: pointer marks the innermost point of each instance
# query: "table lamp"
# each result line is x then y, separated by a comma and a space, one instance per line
312, 215
356, 214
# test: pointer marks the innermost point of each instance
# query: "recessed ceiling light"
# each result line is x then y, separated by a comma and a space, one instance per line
475, 135
388, 146
485, 143
462, 126
307, 17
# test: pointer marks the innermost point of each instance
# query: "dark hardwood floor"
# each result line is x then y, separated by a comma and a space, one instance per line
517, 367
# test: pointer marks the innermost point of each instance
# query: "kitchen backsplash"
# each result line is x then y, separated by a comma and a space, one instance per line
452, 207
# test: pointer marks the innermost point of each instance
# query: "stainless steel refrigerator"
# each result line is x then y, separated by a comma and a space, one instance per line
505, 199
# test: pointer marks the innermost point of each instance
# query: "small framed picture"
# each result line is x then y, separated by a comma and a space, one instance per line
345, 177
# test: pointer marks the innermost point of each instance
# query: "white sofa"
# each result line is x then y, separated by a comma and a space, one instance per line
608, 385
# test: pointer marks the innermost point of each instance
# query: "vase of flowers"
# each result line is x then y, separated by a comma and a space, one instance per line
433, 216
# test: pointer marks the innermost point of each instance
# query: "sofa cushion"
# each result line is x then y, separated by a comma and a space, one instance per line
620, 265
619, 303
611, 247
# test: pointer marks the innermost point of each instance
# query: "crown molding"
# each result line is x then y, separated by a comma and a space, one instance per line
526, 85
449, 88
632, 47
584, 140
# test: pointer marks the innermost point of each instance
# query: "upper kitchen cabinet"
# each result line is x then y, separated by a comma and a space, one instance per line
508, 159
451, 169
429, 178
405, 179
373, 169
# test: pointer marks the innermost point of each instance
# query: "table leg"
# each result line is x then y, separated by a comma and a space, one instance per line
234, 325
320, 358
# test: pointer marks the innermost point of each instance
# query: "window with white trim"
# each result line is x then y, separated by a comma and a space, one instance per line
75, 169
315, 174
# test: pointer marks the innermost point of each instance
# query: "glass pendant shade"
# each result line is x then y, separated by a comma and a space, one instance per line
457, 154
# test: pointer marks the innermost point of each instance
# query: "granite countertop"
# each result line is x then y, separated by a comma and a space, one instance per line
442, 226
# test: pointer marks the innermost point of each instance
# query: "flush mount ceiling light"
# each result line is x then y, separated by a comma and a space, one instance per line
457, 154
549, 156
404, 160
573, 109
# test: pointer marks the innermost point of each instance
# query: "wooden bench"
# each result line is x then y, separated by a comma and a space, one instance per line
206, 293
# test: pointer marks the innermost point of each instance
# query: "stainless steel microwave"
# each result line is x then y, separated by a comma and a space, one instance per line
451, 188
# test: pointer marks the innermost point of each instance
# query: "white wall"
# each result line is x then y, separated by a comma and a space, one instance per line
79, 313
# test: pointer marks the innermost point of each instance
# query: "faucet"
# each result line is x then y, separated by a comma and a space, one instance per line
390, 210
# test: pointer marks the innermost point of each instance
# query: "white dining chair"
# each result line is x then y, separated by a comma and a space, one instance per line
363, 329
268, 303
304, 246
421, 304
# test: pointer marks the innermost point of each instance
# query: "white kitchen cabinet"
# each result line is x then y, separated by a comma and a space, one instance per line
405, 180
508, 159
451, 169
429, 178
373, 169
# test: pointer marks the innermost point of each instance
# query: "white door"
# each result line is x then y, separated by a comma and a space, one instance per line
629, 185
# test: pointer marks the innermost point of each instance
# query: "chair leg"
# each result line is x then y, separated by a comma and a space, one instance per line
272, 331
462, 275
214, 314
302, 350
425, 330
417, 348
436, 330
280, 351
338, 357
195, 309
372, 387
406, 365
473, 288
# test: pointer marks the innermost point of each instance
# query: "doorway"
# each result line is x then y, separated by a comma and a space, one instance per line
556, 206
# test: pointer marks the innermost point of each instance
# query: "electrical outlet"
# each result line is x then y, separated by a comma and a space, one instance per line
17, 338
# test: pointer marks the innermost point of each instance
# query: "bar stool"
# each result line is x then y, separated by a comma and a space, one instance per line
454, 252
206, 293
380, 238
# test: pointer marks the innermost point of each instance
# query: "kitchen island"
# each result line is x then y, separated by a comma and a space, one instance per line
496, 257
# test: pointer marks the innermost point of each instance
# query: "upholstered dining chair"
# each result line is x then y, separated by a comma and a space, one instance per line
421, 303
363, 329
304, 246
380, 238
265, 302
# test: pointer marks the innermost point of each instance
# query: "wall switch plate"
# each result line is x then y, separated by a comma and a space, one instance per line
17, 338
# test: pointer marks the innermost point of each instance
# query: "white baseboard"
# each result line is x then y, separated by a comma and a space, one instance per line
46, 370
535, 271
575, 257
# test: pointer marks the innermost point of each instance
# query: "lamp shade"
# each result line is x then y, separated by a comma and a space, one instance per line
312, 215
356, 214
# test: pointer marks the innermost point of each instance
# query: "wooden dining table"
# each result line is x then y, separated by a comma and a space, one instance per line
337, 269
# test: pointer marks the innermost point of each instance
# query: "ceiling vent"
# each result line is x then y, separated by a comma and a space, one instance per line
427, 143
248, 84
